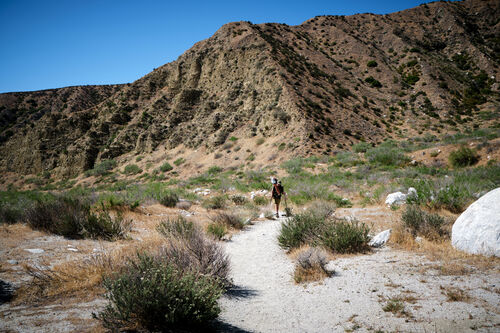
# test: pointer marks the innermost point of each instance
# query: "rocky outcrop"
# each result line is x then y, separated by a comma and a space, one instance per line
477, 230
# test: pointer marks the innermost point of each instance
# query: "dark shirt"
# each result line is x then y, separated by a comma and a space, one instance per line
277, 191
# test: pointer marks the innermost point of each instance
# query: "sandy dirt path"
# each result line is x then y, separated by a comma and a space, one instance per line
266, 299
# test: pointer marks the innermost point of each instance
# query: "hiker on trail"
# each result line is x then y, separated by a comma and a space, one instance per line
276, 193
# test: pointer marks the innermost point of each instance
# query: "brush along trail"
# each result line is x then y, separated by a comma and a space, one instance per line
266, 299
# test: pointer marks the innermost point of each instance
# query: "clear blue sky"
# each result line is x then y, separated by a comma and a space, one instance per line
50, 44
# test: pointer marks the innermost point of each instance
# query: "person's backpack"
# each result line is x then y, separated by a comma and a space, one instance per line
277, 191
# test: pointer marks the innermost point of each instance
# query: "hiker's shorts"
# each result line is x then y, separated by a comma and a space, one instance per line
277, 200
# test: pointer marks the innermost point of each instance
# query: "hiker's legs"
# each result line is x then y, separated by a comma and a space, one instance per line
277, 201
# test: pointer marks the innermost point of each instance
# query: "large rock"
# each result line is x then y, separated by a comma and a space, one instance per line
395, 198
477, 230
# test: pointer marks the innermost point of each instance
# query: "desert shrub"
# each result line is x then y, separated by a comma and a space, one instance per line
311, 266
422, 223
463, 157
386, 156
132, 169
154, 294
191, 251
227, 219
373, 82
239, 200
338, 235
10, 213
372, 63
179, 161
165, 167
176, 227
361, 147
213, 170
344, 236
218, 230
300, 230
101, 169
169, 199
216, 202
293, 165
339, 201
260, 141
260, 200
73, 218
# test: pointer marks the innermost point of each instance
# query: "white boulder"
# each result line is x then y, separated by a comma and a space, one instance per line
395, 198
477, 230
412, 192
380, 239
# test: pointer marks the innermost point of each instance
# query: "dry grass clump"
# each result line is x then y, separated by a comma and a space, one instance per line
228, 219
184, 204
311, 266
454, 262
77, 278
396, 306
455, 294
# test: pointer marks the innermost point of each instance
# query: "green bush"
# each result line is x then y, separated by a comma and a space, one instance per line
165, 167
169, 199
386, 156
102, 169
216, 202
179, 161
239, 200
463, 157
338, 235
361, 147
346, 236
218, 230
422, 223
74, 219
156, 296
213, 170
260, 200
373, 82
132, 169
372, 63
10, 213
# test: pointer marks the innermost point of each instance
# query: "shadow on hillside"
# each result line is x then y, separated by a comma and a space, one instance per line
239, 292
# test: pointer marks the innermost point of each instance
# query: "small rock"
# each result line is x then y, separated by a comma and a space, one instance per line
418, 239
262, 215
72, 249
35, 251
330, 267
412, 192
12, 262
413, 162
380, 239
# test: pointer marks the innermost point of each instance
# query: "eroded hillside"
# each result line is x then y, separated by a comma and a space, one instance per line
313, 88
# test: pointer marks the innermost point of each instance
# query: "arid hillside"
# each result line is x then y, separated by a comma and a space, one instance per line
315, 88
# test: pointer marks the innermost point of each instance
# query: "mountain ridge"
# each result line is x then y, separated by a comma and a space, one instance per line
314, 88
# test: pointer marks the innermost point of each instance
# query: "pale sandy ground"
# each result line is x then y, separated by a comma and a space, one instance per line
267, 300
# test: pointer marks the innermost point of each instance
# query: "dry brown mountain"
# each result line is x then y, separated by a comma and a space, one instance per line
318, 87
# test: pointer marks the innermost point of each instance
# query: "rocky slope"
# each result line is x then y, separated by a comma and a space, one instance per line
317, 87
